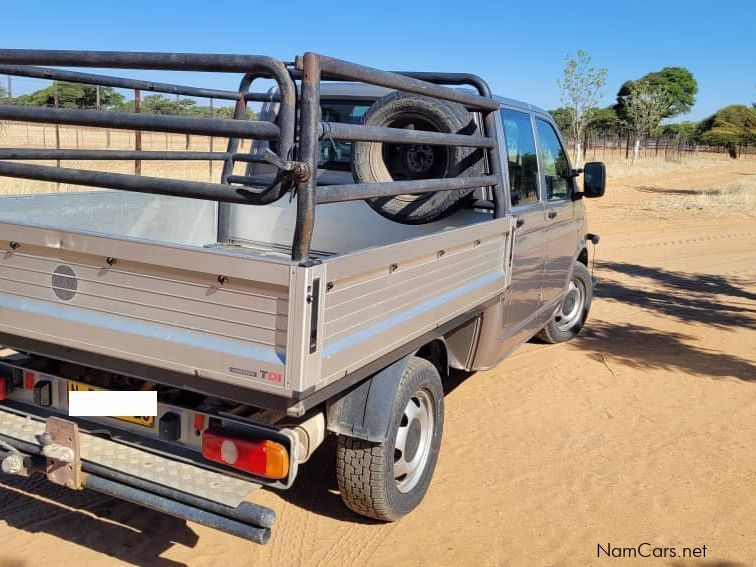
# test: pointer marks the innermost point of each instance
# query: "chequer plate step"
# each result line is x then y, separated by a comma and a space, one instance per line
142, 464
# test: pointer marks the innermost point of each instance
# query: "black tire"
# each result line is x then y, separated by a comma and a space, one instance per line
374, 162
556, 330
365, 470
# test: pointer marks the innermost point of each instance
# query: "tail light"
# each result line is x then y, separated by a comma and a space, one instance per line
5, 387
261, 457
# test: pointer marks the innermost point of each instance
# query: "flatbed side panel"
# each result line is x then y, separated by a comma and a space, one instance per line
265, 271
379, 299
185, 320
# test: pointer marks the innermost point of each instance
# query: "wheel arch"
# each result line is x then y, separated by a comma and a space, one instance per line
364, 411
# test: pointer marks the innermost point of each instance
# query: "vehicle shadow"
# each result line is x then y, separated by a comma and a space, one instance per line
668, 191
112, 527
718, 301
316, 488
689, 563
455, 379
641, 347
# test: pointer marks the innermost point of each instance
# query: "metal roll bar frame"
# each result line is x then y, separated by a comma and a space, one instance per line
296, 149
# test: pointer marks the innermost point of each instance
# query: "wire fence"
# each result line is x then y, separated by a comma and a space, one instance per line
670, 147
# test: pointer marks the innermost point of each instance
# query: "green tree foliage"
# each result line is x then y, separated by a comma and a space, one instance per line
71, 95
679, 88
581, 86
159, 104
731, 126
598, 120
563, 118
686, 130
677, 85
603, 120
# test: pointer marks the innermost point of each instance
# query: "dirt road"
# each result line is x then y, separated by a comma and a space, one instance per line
642, 430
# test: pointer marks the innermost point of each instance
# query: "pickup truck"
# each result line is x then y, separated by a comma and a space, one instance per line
383, 229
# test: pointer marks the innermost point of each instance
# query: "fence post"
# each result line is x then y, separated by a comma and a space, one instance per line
212, 115
138, 133
56, 101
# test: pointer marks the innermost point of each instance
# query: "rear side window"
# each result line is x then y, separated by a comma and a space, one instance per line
554, 163
521, 158
338, 154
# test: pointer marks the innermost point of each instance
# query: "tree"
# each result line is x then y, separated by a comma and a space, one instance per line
563, 118
679, 88
581, 86
644, 108
159, 104
603, 120
685, 130
677, 84
731, 126
72, 95
598, 120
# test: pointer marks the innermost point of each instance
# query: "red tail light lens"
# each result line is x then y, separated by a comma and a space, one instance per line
5, 387
261, 457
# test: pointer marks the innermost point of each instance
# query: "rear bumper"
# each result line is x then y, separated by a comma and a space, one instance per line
155, 481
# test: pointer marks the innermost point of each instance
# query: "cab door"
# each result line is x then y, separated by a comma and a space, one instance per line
562, 227
525, 294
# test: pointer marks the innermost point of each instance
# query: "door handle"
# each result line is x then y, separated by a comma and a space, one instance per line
519, 223
552, 214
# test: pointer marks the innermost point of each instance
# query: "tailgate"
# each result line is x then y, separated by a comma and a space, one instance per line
198, 312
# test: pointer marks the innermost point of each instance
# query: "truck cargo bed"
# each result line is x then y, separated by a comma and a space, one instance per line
226, 317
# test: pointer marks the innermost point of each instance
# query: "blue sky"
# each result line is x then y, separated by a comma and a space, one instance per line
518, 47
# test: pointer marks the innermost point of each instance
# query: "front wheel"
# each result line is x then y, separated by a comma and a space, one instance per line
572, 312
387, 480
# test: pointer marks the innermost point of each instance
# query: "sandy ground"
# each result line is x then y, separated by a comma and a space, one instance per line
641, 430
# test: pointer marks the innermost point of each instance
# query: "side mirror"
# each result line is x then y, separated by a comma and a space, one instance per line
594, 179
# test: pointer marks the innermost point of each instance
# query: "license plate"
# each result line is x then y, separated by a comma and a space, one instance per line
143, 420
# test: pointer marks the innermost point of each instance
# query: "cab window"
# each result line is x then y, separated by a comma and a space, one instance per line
555, 167
521, 158
337, 155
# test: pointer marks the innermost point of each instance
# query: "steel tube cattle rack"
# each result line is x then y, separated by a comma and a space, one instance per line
296, 149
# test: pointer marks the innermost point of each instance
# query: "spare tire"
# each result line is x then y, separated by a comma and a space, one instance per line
374, 162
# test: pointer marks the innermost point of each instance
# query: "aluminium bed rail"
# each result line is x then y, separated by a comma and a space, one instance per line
295, 152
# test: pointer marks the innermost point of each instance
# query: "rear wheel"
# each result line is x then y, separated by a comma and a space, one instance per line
570, 316
387, 480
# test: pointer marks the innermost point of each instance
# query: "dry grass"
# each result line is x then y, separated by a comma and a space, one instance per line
21, 135
726, 200
621, 168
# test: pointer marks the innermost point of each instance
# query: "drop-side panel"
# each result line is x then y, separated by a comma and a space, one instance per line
179, 318
382, 298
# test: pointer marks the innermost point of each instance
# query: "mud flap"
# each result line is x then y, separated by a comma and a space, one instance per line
364, 412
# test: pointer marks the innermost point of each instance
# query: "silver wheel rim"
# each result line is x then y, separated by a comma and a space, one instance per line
570, 312
413, 441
